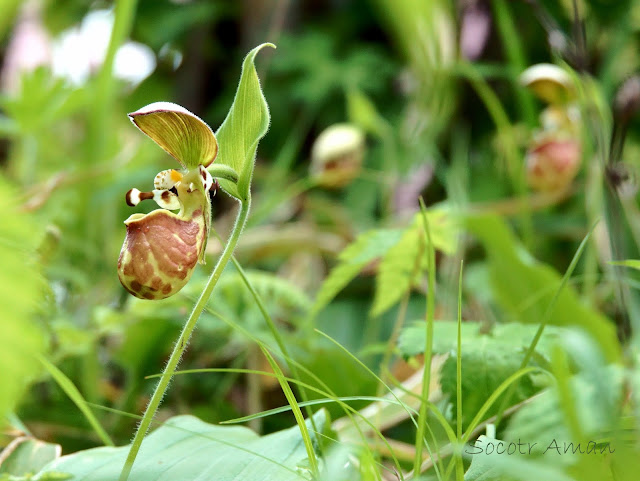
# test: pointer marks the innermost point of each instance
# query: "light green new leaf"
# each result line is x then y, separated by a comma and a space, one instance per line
188, 449
400, 251
353, 259
246, 123
403, 263
21, 292
398, 271
524, 287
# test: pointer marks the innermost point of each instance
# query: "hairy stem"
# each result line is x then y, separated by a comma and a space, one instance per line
182, 341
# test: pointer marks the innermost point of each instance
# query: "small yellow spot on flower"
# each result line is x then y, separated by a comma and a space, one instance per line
175, 175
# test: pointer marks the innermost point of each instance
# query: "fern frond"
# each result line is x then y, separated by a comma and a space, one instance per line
404, 263
353, 259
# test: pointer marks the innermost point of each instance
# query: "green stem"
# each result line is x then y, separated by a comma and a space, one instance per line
254, 390
515, 52
181, 344
428, 348
458, 450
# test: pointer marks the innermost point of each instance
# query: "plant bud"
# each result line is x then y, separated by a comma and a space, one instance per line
336, 155
553, 163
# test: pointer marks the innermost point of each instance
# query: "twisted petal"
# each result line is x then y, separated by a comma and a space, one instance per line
182, 134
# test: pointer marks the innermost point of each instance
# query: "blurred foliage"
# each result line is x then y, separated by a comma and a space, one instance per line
444, 121
24, 297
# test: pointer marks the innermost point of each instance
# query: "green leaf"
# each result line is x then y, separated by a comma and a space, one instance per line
502, 336
406, 261
633, 263
72, 391
21, 292
187, 448
400, 252
484, 368
488, 358
595, 394
542, 421
246, 123
353, 259
25, 456
363, 113
496, 460
524, 287
483, 466
399, 269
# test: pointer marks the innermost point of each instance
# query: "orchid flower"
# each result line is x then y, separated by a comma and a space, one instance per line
162, 248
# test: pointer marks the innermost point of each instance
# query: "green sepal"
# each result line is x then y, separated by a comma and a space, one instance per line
246, 123
180, 133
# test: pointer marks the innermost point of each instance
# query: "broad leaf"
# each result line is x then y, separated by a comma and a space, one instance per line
25, 456
488, 359
246, 123
524, 287
483, 458
21, 291
602, 452
501, 336
399, 269
188, 449
496, 460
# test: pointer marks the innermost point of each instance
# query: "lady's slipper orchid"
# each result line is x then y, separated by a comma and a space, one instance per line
161, 248
337, 155
552, 163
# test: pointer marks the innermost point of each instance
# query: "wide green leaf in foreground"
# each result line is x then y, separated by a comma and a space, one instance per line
188, 449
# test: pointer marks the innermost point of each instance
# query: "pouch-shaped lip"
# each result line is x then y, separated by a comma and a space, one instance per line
160, 253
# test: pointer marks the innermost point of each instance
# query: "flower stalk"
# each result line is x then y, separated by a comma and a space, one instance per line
181, 343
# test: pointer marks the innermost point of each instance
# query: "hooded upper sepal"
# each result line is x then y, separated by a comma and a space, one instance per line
161, 248
182, 134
